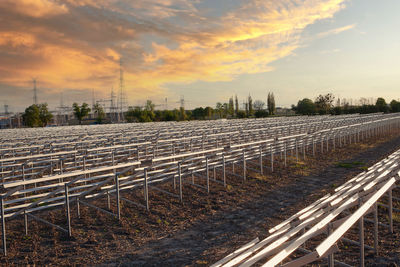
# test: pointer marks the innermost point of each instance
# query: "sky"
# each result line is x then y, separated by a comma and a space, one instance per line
203, 50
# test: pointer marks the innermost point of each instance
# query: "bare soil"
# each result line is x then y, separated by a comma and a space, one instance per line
207, 226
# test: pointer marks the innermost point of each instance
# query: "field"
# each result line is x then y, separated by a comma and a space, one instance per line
177, 193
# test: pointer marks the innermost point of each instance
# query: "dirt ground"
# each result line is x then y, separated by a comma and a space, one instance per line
207, 226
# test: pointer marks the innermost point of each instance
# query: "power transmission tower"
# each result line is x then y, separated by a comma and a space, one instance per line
34, 92
121, 97
63, 111
93, 100
113, 108
182, 101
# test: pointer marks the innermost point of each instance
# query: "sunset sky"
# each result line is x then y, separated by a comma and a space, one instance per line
206, 50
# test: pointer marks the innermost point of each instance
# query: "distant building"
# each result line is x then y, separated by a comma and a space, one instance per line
10, 121
4, 122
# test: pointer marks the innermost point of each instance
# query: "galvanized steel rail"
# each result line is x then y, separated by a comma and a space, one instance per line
46, 168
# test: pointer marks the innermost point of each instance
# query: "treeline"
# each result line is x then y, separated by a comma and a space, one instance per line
39, 115
230, 109
324, 104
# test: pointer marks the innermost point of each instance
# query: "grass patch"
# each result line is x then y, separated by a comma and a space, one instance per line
350, 165
301, 165
258, 176
396, 217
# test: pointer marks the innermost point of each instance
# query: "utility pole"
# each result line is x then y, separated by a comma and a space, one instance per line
34, 92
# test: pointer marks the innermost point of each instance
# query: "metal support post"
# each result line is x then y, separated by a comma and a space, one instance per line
68, 210
223, 170
390, 211
272, 160
376, 223
244, 165
146, 190
78, 210
331, 260
118, 198
26, 222
3, 227
361, 239
261, 161
180, 182
208, 176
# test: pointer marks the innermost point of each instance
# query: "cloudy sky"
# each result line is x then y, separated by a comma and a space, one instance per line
206, 50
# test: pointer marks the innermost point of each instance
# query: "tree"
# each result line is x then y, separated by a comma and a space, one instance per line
31, 116
395, 106
260, 112
365, 109
149, 105
177, 114
219, 109
259, 105
37, 115
137, 114
225, 110
171, 115
81, 111
208, 112
236, 105
251, 109
231, 109
337, 110
100, 114
188, 114
381, 105
324, 103
271, 103
306, 107
182, 114
149, 110
44, 115
133, 114
241, 114
198, 113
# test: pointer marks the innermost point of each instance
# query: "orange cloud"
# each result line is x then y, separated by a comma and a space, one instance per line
16, 39
34, 8
78, 44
